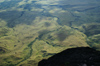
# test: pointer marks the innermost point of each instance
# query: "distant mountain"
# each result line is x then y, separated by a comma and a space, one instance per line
81, 56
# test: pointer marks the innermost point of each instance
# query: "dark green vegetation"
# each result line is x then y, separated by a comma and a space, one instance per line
94, 41
92, 29
93, 35
32, 30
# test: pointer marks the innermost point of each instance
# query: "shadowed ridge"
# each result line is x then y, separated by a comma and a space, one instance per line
81, 56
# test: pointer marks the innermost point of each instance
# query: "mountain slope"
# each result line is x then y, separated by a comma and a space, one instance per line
81, 56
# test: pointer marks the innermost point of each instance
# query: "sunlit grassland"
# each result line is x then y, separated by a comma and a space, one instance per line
28, 36
18, 38
48, 42
65, 36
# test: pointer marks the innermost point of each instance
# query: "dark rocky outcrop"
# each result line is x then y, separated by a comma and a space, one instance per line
81, 56
2, 50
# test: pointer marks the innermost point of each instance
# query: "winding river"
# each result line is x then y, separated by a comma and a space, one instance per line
30, 52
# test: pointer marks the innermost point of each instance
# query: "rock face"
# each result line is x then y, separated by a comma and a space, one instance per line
81, 56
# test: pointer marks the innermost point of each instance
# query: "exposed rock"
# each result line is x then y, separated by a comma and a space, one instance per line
81, 56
